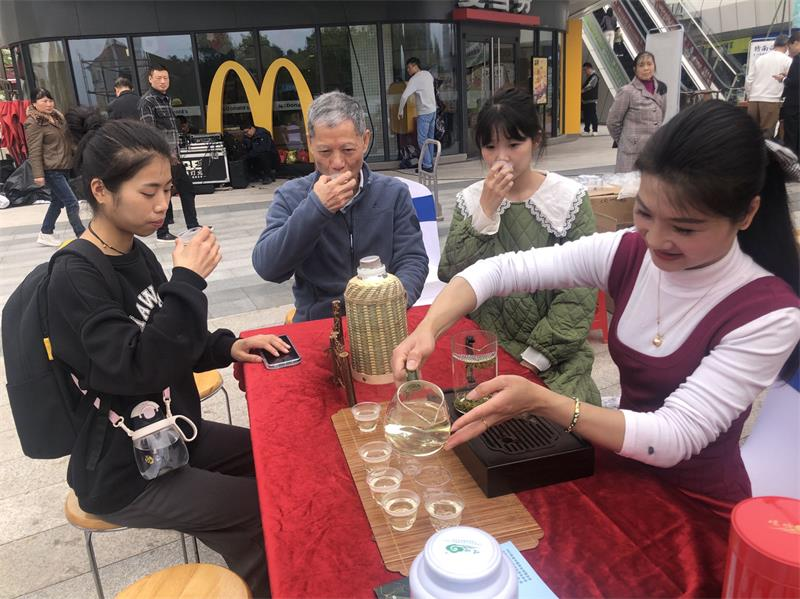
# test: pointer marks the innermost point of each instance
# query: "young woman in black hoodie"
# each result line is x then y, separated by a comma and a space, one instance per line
129, 352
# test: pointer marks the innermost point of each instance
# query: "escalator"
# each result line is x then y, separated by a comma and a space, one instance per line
608, 64
704, 65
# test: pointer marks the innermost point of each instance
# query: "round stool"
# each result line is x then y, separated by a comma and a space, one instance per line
208, 384
90, 524
195, 581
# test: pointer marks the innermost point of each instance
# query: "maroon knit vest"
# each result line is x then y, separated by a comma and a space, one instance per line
717, 473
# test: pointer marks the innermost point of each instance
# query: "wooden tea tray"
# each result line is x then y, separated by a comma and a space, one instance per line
505, 518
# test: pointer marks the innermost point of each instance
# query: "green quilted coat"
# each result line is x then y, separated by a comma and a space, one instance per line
553, 322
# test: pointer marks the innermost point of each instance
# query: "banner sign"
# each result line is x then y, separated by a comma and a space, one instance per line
520, 6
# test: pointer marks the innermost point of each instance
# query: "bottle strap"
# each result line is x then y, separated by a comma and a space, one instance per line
115, 419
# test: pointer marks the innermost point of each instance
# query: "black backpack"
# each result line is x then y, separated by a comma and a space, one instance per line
45, 399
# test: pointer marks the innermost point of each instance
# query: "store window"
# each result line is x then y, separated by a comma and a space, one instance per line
300, 47
96, 64
175, 53
20, 82
434, 44
212, 50
51, 71
7, 77
350, 64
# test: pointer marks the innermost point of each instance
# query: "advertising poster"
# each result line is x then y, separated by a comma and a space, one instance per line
539, 79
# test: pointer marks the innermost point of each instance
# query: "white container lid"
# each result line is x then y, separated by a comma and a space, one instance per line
371, 267
462, 562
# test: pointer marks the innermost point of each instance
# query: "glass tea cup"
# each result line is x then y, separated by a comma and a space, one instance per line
433, 479
444, 509
383, 480
375, 454
189, 234
401, 508
473, 359
366, 415
417, 421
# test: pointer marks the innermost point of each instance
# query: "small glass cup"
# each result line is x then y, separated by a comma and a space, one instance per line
409, 464
444, 509
375, 454
401, 508
189, 234
366, 415
433, 479
383, 480
474, 361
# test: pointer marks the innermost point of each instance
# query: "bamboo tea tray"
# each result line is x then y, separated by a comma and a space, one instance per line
505, 518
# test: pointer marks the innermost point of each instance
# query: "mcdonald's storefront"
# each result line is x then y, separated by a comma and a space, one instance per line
233, 59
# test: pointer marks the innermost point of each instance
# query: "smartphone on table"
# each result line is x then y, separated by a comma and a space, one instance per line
281, 360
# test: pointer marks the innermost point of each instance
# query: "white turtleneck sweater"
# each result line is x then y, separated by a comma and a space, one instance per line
723, 385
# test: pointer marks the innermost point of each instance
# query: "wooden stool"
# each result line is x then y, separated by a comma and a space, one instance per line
601, 316
195, 581
208, 384
90, 524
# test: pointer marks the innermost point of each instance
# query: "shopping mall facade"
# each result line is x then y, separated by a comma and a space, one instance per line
77, 49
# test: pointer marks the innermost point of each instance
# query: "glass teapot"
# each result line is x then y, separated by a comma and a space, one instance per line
417, 421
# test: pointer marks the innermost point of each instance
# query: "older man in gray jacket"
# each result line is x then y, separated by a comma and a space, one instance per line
319, 226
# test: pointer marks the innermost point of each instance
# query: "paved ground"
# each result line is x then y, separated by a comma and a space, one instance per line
42, 556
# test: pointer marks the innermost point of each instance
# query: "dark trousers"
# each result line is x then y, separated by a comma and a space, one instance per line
263, 165
214, 498
185, 188
791, 128
589, 116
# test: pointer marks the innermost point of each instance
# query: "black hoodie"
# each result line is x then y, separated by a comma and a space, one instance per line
128, 353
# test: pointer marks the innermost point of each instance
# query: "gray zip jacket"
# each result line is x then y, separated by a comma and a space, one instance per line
321, 249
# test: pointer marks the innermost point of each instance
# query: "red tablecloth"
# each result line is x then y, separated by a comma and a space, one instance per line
621, 532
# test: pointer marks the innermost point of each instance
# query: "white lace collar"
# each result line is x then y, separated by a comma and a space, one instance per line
554, 205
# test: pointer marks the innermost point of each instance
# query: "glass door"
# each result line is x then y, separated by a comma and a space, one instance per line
489, 65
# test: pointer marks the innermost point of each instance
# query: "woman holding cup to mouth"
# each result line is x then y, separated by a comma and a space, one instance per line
517, 208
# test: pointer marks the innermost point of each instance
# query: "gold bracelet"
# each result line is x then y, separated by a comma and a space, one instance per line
575, 415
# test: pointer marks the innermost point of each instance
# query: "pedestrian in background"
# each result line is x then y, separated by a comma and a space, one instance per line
589, 98
609, 26
421, 84
155, 108
764, 89
637, 112
790, 111
50, 152
126, 104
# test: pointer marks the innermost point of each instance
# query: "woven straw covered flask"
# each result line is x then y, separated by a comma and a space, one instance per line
375, 302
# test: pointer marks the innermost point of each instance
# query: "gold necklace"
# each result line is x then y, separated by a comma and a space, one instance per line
659, 338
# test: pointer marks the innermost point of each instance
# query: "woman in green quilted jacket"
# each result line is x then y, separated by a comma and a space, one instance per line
517, 208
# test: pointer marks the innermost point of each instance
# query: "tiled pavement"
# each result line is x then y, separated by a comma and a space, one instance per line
43, 557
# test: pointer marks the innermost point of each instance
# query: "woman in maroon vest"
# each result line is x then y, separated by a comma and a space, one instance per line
707, 311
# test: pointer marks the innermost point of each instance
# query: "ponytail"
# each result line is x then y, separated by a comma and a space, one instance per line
769, 240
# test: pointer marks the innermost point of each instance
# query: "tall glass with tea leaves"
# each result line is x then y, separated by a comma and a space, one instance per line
473, 358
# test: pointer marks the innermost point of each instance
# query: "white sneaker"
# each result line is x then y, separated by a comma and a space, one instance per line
594, 133
48, 239
584, 134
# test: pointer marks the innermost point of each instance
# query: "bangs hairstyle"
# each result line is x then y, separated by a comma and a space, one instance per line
512, 113
115, 152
